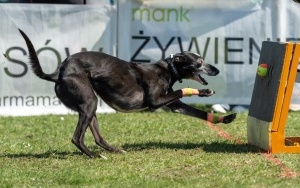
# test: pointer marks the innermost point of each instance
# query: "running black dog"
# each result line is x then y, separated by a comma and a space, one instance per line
124, 86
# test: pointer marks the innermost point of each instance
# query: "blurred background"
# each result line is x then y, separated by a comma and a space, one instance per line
227, 33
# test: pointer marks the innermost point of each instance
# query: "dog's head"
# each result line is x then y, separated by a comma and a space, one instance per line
191, 65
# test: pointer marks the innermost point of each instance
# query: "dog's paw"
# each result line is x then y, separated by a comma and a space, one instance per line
117, 150
206, 92
214, 118
102, 156
229, 118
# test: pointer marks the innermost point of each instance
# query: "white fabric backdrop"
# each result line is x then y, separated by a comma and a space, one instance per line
56, 31
227, 33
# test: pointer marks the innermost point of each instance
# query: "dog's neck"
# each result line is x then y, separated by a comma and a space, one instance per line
173, 69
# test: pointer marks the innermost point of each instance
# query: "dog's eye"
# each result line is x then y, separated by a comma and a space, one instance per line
200, 62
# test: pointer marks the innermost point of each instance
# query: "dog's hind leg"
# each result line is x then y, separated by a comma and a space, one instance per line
86, 111
78, 137
94, 126
75, 91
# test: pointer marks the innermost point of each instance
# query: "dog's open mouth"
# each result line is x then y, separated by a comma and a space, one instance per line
198, 78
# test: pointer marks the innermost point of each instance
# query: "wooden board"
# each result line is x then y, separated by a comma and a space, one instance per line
271, 98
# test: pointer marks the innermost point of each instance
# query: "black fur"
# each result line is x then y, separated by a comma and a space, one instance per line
122, 85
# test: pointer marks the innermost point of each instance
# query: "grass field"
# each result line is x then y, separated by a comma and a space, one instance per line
163, 150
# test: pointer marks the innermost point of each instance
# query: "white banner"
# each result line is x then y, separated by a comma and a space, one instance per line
227, 33
56, 31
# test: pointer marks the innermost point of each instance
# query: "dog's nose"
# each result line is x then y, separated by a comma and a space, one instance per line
213, 71
217, 71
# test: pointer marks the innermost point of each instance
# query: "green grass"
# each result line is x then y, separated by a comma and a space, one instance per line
163, 150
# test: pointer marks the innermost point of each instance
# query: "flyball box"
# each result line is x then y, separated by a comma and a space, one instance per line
271, 99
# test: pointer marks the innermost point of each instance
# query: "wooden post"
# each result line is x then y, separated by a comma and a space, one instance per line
271, 99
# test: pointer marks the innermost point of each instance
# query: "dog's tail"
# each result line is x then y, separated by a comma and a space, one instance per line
35, 63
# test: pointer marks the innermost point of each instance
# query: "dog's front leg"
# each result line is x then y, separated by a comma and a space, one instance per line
200, 92
156, 101
180, 107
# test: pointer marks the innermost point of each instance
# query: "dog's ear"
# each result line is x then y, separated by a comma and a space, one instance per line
180, 58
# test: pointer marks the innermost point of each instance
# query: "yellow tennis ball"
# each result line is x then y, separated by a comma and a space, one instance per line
262, 70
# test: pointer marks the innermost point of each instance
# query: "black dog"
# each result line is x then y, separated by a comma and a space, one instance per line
124, 86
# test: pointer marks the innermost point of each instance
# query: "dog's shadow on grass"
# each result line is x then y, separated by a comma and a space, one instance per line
213, 147
47, 154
